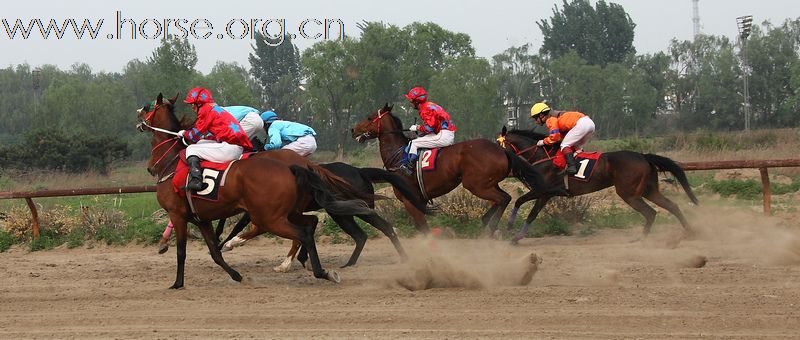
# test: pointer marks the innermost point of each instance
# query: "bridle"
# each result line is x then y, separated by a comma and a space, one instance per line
533, 148
377, 119
175, 139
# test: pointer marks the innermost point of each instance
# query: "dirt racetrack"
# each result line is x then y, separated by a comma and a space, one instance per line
740, 278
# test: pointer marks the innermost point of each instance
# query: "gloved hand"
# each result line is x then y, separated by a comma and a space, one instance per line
414, 127
540, 143
183, 139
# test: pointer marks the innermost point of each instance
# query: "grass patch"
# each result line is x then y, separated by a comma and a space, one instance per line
6, 241
615, 218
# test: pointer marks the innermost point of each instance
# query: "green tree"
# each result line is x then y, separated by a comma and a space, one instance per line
426, 47
600, 35
703, 77
467, 89
271, 61
173, 66
232, 85
772, 53
330, 72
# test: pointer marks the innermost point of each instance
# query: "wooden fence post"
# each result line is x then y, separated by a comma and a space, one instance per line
767, 191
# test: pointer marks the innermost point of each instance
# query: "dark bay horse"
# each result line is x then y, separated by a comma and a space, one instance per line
359, 178
633, 175
478, 164
270, 190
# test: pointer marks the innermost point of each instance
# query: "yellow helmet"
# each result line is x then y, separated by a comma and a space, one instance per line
539, 108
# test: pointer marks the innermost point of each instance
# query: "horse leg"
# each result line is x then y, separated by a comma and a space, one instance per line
638, 204
528, 196
287, 263
349, 225
420, 222
180, 242
500, 198
220, 227
537, 207
305, 233
660, 200
233, 240
211, 242
386, 228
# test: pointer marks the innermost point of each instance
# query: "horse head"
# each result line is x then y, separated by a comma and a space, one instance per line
159, 118
375, 123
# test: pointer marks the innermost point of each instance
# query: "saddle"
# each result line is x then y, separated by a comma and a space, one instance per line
214, 175
586, 164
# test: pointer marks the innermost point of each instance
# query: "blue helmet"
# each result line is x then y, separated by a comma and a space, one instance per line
269, 117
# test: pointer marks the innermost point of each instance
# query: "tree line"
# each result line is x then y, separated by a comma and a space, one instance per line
586, 62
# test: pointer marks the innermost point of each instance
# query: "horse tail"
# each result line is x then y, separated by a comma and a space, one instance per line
306, 179
340, 186
526, 173
665, 164
376, 175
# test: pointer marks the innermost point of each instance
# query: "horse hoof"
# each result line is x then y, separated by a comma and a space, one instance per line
176, 286
162, 248
333, 276
236, 277
225, 248
348, 265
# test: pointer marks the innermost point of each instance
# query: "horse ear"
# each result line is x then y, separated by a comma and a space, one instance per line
160, 99
390, 107
174, 99
504, 132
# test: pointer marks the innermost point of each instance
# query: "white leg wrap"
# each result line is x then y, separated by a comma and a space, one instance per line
285, 266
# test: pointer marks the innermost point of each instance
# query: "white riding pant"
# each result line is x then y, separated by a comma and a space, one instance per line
431, 141
304, 146
252, 124
214, 151
579, 135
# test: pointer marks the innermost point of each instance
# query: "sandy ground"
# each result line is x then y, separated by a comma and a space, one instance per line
739, 279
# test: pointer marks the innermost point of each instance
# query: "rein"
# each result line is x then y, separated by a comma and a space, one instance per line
549, 155
175, 139
377, 119
162, 177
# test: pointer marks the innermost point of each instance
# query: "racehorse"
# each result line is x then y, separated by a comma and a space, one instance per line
361, 179
634, 176
270, 190
478, 164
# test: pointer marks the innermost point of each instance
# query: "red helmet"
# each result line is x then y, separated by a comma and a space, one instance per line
418, 95
198, 95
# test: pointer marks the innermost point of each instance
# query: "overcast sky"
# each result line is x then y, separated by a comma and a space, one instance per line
493, 25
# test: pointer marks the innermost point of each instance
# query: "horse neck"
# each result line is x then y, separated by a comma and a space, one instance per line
165, 150
529, 152
391, 141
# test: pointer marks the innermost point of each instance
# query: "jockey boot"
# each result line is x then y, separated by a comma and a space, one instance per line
408, 164
195, 174
572, 167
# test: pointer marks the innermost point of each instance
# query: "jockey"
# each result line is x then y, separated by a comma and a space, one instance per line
218, 137
437, 129
249, 118
574, 127
284, 134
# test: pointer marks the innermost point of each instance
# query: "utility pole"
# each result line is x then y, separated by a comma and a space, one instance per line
745, 24
696, 17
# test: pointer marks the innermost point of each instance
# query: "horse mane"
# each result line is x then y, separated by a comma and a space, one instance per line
186, 122
528, 134
397, 121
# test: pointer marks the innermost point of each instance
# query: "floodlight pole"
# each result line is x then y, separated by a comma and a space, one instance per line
745, 23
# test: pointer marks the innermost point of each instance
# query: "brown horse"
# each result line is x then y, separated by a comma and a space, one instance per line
270, 190
478, 164
633, 175
361, 180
